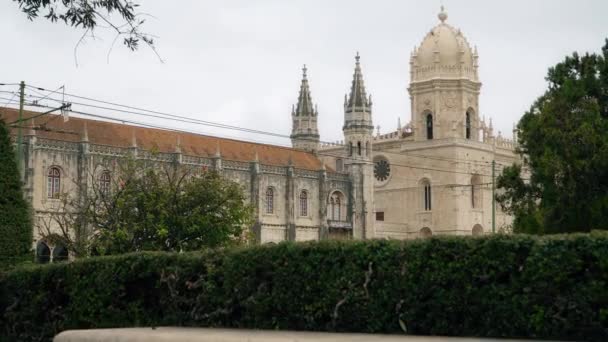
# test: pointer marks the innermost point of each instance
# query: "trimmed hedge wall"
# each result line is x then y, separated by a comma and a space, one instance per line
500, 286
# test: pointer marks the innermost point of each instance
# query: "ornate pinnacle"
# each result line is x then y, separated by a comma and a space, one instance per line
358, 97
304, 106
443, 15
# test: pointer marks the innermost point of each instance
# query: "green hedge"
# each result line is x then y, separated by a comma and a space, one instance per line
501, 286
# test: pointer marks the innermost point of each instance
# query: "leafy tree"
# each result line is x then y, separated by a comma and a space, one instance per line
145, 208
564, 144
87, 14
15, 219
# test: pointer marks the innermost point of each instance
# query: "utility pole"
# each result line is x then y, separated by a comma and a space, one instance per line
19, 131
493, 197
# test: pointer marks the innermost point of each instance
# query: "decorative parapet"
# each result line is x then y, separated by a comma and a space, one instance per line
156, 156
339, 224
424, 73
108, 150
277, 170
505, 143
389, 136
306, 173
331, 144
235, 165
57, 145
192, 160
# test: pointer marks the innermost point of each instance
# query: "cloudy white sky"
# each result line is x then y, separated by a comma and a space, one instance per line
239, 61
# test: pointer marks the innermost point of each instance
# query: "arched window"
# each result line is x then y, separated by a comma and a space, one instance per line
467, 125
358, 147
429, 126
43, 253
427, 196
303, 203
350, 149
368, 150
60, 253
53, 184
269, 200
335, 206
476, 191
426, 232
104, 182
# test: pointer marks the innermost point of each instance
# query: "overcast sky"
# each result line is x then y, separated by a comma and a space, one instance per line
239, 62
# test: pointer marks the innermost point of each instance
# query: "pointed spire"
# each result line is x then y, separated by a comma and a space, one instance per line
358, 98
398, 123
304, 106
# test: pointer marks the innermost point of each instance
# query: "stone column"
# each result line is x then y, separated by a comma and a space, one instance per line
323, 195
289, 205
254, 172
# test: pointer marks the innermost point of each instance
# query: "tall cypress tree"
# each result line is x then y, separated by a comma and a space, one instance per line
15, 219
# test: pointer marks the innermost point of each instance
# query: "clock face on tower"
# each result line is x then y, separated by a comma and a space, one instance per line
382, 170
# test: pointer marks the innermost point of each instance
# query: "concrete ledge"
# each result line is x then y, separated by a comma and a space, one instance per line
233, 335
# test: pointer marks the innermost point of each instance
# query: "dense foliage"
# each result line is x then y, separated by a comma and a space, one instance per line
502, 286
564, 144
146, 206
15, 221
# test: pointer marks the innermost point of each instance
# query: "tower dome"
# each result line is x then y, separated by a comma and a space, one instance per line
443, 53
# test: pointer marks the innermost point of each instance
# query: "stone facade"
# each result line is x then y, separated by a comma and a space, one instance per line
433, 175
294, 196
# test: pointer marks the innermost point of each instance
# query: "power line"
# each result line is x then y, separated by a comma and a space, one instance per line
161, 115
287, 148
320, 153
207, 123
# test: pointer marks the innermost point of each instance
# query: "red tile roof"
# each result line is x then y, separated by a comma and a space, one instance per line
121, 135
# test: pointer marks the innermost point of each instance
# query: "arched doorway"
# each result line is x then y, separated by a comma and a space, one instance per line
477, 230
426, 232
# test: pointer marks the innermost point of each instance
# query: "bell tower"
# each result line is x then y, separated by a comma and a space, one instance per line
358, 137
304, 132
444, 85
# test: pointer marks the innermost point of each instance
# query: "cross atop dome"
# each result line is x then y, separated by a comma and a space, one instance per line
443, 15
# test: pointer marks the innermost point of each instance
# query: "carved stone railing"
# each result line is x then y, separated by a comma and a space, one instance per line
193, 160
331, 144
450, 71
388, 136
57, 145
108, 150
277, 170
413, 145
339, 224
306, 174
235, 165
156, 156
